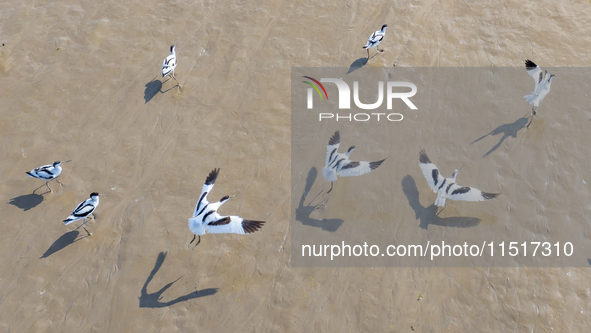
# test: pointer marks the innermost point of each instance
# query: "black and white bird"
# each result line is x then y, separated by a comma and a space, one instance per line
47, 173
169, 64
375, 39
339, 164
543, 82
83, 210
446, 188
207, 220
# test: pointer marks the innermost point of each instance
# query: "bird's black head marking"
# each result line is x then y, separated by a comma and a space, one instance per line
224, 198
56, 163
93, 194
384, 26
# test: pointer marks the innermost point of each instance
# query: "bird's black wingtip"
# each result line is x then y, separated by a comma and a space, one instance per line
376, 164
212, 177
423, 158
488, 196
530, 64
335, 139
29, 173
251, 226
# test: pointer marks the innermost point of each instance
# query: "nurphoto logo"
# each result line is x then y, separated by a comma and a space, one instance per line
344, 100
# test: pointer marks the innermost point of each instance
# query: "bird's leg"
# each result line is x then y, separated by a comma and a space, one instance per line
37, 189
367, 54
198, 241
533, 113
440, 211
58, 181
194, 236
48, 186
330, 188
85, 228
324, 196
177, 82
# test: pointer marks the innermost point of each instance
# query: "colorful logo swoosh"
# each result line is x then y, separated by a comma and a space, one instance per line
315, 87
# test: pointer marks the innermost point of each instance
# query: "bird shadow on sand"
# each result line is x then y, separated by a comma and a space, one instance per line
66, 239
153, 300
152, 88
508, 130
358, 64
303, 212
27, 201
427, 215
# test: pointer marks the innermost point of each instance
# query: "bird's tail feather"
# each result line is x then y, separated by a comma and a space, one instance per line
440, 202
329, 175
30, 174
530, 98
68, 221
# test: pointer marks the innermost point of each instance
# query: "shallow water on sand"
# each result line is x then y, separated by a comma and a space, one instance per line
80, 80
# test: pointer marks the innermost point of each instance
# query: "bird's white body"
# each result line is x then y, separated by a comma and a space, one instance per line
207, 220
543, 82
46, 172
446, 188
339, 164
83, 210
169, 63
376, 38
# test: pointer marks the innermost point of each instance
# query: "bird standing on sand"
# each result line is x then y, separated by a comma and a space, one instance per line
339, 164
375, 39
543, 82
169, 64
206, 219
83, 210
47, 173
446, 188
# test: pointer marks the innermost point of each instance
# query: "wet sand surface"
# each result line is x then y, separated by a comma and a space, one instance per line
80, 81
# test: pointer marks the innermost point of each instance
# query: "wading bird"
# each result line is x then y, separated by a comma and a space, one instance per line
83, 210
446, 188
375, 39
169, 64
339, 164
543, 82
47, 173
207, 220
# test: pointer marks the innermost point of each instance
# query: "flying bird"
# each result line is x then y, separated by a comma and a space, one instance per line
339, 164
446, 188
83, 210
375, 39
169, 64
207, 220
47, 173
543, 82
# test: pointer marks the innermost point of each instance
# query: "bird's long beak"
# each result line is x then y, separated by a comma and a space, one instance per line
460, 168
67, 161
234, 195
